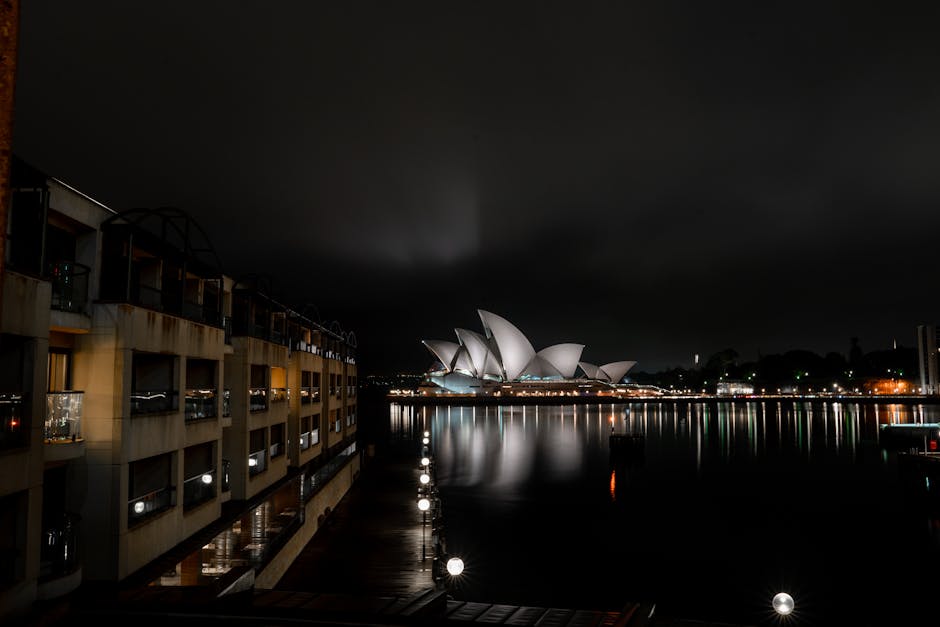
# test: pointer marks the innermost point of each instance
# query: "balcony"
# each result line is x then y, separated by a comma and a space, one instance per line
200, 404
59, 555
69, 286
153, 401
142, 507
198, 489
257, 399
306, 395
63, 417
257, 462
279, 395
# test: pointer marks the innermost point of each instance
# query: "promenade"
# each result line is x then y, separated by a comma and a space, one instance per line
364, 567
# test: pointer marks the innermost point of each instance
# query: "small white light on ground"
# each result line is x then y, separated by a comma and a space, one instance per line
424, 505
425, 461
424, 478
783, 603
455, 566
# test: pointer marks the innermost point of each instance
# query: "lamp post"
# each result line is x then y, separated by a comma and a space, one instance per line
424, 505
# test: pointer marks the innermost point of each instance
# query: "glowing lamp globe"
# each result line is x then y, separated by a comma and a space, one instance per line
425, 478
425, 461
424, 505
207, 479
454, 566
783, 603
139, 507
427, 433
424, 440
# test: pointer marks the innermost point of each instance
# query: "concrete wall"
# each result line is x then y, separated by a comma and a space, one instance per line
328, 496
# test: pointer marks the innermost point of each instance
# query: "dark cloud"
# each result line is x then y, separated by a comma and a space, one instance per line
652, 180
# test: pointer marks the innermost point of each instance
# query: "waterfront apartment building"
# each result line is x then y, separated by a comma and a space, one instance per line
927, 358
145, 395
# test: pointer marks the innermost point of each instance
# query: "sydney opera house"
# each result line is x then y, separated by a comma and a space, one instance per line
503, 360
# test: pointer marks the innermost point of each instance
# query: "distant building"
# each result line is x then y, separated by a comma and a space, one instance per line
503, 358
733, 388
927, 358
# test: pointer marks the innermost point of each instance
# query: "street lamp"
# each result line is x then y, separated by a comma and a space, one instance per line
454, 566
424, 505
783, 603
425, 478
425, 461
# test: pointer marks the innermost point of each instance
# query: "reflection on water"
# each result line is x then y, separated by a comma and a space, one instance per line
725, 502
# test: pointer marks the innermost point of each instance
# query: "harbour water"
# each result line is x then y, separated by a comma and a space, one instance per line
728, 503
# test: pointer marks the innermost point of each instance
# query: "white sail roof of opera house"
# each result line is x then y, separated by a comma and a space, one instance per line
504, 353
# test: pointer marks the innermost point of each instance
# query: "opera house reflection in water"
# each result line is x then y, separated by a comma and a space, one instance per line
725, 502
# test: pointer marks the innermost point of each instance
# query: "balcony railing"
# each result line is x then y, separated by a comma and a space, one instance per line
12, 432
276, 449
142, 507
257, 399
305, 395
59, 553
257, 462
200, 404
313, 482
279, 395
226, 403
199, 489
69, 286
63, 417
150, 401
304, 440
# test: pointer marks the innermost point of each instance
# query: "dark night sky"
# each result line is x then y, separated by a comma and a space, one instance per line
650, 179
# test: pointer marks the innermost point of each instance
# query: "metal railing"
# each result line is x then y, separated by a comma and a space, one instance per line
257, 462
149, 401
226, 403
304, 440
142, 507
199, 488
257, 399
279, 395
305, 395
63, 417
200, 404
320, 477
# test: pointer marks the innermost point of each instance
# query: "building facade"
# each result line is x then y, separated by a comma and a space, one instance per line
144, 395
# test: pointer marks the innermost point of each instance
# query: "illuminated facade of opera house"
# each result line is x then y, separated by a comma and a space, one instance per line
502, 360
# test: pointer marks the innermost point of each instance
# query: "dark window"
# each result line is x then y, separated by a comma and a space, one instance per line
277, 440
257, 454
258, 388
200, 389
153, 383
